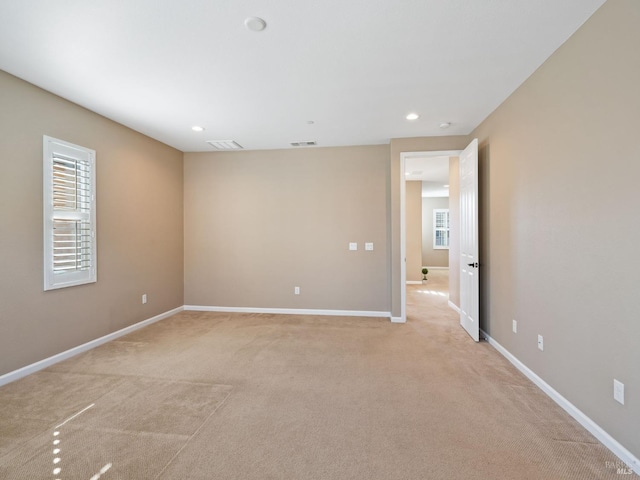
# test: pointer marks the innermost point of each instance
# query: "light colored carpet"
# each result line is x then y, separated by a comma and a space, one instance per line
255, 396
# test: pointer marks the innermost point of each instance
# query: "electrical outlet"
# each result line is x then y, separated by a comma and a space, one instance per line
353, 246
368, 246
296, 290
514, 326
540, 342
618, 391
144, 298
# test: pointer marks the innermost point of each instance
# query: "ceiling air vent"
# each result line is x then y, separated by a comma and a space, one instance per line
303, 144
224, 144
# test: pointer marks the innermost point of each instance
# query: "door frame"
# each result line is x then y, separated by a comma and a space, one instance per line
403, 221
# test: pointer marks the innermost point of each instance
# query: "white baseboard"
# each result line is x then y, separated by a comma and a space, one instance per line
47, 362
289, 311
436, 268
454, 306
414, 282
397, 320
607, 440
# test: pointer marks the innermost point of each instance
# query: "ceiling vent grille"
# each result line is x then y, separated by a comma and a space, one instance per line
224, 144
303, 144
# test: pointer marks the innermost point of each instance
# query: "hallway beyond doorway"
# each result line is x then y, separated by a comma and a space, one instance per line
430, 301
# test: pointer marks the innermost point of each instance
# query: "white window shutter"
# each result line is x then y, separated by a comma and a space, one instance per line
69, 214
441, 228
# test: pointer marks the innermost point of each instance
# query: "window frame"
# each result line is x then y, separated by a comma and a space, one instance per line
436, 229
85, 214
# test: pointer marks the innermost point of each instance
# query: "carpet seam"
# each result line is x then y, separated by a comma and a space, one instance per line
192, 435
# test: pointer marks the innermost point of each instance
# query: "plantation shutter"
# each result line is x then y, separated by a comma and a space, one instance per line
70, 253
440, 228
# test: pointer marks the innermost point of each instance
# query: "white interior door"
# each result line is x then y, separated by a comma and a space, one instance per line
469, 261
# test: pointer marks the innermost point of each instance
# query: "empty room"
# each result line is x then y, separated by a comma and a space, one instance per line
213, 248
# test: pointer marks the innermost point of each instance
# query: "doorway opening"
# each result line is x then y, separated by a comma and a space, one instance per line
433, 172
463, 251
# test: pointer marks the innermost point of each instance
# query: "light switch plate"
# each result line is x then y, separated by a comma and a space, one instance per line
353, 246
368, 246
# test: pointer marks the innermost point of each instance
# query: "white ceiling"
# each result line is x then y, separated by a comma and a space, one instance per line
355, 68
432, 171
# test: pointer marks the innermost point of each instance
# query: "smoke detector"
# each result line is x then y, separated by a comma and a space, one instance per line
255, 24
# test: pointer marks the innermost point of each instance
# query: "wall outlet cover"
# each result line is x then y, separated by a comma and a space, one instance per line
618, 391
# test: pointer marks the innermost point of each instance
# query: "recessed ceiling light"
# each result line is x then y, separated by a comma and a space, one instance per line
197, 128
255, 24
413, 116
445, 124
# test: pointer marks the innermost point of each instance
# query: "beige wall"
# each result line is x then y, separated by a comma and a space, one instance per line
398, 146
139, 228
454, 230
432, 257
259, 223
413, 216
560, 163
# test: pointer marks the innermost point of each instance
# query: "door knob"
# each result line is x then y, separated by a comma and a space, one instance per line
474, 265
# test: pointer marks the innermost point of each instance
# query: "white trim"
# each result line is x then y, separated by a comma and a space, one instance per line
47, 362
607, 440
432, 153
398, 320
403, 240
289, 311
414, 282
454, 306
436, 268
